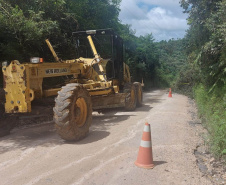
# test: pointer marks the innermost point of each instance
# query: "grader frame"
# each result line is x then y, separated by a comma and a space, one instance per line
87, 89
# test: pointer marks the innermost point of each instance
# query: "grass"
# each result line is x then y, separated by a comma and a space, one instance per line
212, 110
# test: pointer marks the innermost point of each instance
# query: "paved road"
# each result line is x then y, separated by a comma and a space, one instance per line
37, 155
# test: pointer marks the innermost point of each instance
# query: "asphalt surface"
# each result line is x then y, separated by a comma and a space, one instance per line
35, 154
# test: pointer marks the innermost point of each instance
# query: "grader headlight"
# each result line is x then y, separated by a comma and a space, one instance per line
36, 60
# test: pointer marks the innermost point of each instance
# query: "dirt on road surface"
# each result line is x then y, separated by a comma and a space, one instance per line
37, 155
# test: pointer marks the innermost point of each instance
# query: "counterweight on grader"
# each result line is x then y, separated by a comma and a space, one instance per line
92, 83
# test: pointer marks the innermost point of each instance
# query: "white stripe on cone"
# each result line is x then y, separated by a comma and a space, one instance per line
147, 128
145, 144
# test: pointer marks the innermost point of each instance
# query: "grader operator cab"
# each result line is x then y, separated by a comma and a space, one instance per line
93, 83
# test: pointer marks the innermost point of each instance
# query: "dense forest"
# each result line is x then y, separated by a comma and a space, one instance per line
194, 65
26, 24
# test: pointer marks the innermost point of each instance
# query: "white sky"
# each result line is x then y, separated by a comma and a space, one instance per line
163, 18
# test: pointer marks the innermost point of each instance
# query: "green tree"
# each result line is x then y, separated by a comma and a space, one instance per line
206, 48
21, 32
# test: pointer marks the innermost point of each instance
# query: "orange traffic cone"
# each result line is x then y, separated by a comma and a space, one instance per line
145, 157
170, 93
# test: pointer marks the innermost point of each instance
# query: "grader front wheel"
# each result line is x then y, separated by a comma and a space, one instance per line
73, 112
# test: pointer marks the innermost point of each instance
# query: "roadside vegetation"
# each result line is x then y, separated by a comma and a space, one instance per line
204, 76
195, 65
211, 107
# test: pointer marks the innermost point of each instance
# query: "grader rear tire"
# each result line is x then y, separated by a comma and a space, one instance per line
139, 93
131, 98
73, 112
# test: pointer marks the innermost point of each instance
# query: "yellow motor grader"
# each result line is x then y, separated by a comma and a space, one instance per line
92, 83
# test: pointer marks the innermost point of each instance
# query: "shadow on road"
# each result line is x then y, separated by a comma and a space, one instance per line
31, 137
103, 122
153, 100
109, 119
113, 111
144, 108
93, 137
157, 163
